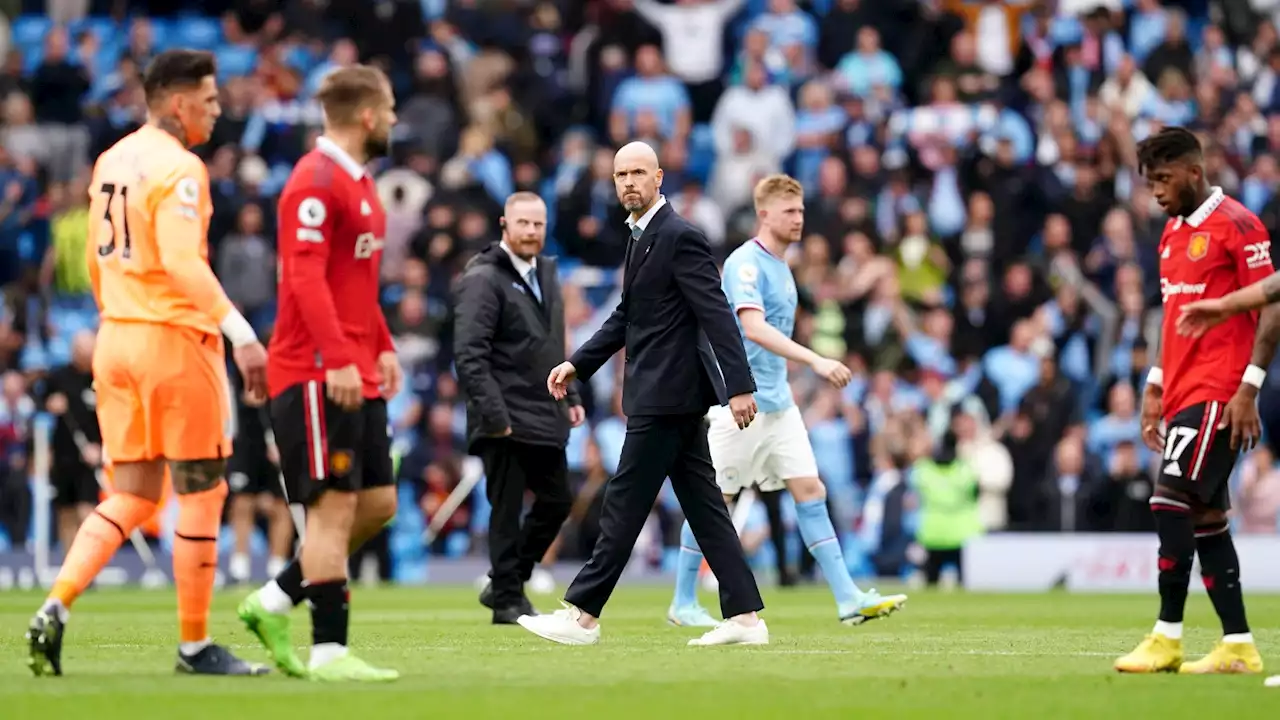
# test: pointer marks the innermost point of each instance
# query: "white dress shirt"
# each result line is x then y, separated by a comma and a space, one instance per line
643, 222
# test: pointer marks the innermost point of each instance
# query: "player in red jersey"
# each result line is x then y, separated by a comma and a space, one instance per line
1205, 389
332, 367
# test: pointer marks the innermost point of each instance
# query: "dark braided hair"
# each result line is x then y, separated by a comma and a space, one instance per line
1171, 144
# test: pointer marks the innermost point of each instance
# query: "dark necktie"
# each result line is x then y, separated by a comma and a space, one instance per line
636, 232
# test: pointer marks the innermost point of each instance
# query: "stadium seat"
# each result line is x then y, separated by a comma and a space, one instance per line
29, 30
162, 35
300, 58
197, 32
104, 27
702, 153
235, 61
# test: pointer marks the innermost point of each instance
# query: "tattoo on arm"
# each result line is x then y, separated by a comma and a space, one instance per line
1267, 337
1271, 288
196, 476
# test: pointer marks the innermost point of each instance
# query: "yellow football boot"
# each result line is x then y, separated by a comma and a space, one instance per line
1226, 659
1156, 653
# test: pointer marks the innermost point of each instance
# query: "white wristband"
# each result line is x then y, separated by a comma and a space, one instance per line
1156, 377
1255, 376
237, 329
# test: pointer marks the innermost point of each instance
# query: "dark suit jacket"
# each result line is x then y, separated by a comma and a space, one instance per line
506, 344
676, 324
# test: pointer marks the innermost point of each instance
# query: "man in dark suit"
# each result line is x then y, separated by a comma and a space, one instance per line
683, 354
508, 335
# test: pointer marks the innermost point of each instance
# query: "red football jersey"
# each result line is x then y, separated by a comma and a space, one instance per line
331, 229
1220, 248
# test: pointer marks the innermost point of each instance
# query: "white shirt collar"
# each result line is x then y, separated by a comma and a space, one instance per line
340, 156
522, 266
1202, 213
643, 222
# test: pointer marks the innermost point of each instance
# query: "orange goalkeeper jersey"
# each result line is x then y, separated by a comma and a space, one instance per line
148, 222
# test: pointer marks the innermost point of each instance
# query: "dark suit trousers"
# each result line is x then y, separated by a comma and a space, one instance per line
657, 447
510, 469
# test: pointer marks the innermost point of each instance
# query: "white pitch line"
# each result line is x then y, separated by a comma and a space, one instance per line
978, 653
757, 650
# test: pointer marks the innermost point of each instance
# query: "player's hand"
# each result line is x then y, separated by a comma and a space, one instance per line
1152, 410
559, 379
832, 371
392, 375
91, 454
744, 409
1198, 317
344, 387
577, 415
252, 361
1241, 415
56, 404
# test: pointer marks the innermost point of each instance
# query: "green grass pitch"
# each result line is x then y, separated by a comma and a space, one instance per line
945, 656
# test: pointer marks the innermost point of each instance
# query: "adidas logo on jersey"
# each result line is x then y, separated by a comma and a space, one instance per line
364, 208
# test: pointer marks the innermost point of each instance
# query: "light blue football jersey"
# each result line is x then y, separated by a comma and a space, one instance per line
756, 278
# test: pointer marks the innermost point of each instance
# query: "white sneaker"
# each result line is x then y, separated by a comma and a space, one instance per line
1272, 682
731, 632
561, 627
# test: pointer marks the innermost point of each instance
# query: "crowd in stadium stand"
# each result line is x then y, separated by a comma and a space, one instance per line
979, 245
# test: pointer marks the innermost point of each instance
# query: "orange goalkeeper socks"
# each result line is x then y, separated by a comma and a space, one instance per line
195, 559
101, 534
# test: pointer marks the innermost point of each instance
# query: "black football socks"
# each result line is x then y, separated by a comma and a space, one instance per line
1176, 555
330, 606
290, 581
1220, 569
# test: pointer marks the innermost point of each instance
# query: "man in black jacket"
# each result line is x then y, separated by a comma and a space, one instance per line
77, 443
508, 335
684, 353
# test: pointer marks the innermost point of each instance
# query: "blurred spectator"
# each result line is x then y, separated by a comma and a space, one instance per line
949, 517
1258, 497
976, 446
1066, 494
692, 34
17, 410
1120, 502
56, 90
868, 68
651, 96
761, 110
246, 262
77, 442
64, 271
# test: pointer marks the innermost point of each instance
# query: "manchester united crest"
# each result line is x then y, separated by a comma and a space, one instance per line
1199, 246
340, 462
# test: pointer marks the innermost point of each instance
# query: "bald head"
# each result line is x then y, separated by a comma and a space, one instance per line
637, 177
637, 152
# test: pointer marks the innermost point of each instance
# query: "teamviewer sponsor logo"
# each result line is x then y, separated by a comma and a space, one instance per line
1258, 255
1169, 289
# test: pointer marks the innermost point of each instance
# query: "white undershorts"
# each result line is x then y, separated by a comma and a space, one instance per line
773, 449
